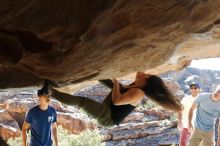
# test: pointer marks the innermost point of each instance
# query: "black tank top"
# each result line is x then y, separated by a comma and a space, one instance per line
119, 112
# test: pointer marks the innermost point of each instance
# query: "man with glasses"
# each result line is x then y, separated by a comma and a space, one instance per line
208, 110
187, 102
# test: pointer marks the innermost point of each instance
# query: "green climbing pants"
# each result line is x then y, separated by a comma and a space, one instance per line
100, 111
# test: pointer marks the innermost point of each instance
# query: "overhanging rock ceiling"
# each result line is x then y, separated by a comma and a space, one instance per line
75, 41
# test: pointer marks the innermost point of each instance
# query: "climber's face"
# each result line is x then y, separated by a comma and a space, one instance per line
140, 79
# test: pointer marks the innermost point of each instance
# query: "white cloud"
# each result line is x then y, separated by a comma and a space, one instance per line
211, 63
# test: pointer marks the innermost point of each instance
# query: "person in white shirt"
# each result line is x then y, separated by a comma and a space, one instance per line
187, 102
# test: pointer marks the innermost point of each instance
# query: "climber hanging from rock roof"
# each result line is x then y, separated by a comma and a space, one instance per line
122, 100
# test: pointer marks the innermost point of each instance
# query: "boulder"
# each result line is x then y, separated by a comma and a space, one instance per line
7, 132
165, 138
4, 96
75, 123
8, 126
6, 119
158, 112
133, 117
19, 105
142, 133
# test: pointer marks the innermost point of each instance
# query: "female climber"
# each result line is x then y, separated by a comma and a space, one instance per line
122, 100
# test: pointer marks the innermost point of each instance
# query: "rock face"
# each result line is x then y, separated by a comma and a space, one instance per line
152, 128
75, 123
7, 132
137, 116
151, 133
74, 41
8, 126
6, 119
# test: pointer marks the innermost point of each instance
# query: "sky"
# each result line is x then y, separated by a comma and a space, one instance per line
211, 63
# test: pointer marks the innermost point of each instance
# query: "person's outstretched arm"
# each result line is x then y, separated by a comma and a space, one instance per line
180, 123
24, 133
54, 133
193, 107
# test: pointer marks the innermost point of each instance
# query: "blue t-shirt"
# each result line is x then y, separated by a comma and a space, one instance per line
207, 111
40, 125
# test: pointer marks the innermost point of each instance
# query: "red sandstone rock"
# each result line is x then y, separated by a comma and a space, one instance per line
75, 123
134, 117
75, 41
7, 132
6, 119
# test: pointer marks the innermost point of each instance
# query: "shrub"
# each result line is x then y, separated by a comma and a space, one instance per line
173, 117
17, 141
148, 105
85, 138
88, 138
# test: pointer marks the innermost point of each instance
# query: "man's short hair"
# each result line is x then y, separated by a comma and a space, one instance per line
42, 92
194, 84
